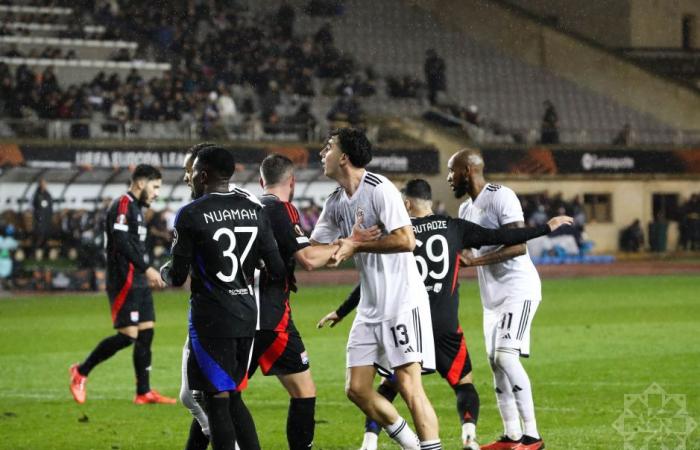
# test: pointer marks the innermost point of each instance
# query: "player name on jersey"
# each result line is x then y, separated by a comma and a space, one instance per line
430, 226
221, 215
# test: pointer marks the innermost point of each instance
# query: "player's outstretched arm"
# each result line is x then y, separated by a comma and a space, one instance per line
315, 256
474, 235
343, 310
398, 241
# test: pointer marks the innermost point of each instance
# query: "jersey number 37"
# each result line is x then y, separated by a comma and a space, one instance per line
228, 253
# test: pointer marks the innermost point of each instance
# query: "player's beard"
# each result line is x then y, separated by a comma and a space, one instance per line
143, 199
461, 189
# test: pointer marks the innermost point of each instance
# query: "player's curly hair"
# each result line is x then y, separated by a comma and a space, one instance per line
355, 144
217, 160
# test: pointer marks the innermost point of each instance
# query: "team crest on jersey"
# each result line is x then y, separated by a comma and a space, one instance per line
121, 219
134, 316
359, 215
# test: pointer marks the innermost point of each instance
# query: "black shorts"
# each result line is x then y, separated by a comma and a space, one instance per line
218, 364
278, 353
452, 357
132, 306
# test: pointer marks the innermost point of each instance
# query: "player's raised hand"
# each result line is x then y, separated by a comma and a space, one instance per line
556, 222
332, 318
346, 248
154, 279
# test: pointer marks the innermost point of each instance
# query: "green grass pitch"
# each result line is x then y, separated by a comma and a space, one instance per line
594, 340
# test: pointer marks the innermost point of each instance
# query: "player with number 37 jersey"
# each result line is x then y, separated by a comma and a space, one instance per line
224, 235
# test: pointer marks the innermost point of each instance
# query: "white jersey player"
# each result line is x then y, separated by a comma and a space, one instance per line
392, 327
510, 293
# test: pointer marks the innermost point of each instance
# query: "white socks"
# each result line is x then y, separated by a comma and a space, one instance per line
369, 442
403, 435
468, 431
515, 399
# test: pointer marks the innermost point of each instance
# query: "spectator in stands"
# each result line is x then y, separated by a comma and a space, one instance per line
119, 110
434, 69
632, 237
345, 111
549, 133
689, 224
42, 204
8, 244
309, 217
538, 217
471, 114
225, 105
624, 137
304, 121
285, 20
210, 116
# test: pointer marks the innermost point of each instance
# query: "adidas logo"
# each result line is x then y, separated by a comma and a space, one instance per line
409, 349
506, 336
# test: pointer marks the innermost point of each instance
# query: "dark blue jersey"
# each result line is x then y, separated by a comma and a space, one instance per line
220, 239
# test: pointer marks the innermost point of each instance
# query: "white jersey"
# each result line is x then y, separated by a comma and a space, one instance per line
516, 279
244, 192
390, 282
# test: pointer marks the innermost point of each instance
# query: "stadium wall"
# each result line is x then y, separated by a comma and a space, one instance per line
587, 65
619, 23
630, 200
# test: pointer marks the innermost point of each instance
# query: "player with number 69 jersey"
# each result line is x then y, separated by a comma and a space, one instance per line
439, 244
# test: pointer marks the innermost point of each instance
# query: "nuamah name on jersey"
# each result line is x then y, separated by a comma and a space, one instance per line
221, 215
429, 226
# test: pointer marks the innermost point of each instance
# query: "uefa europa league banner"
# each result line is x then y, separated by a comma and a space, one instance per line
394, 160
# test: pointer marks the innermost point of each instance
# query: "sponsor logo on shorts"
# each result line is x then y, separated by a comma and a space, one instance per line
304, 358
134, 316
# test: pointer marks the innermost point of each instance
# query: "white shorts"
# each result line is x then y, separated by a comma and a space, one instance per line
509, 327
404, 339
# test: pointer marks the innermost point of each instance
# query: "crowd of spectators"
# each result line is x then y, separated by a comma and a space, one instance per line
221, 54
539, 208
229, 67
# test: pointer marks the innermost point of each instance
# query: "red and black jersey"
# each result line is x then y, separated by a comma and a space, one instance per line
275, 313
126, 244
219, 240
439, 242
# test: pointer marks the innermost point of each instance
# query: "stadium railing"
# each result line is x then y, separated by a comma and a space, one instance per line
250, 130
